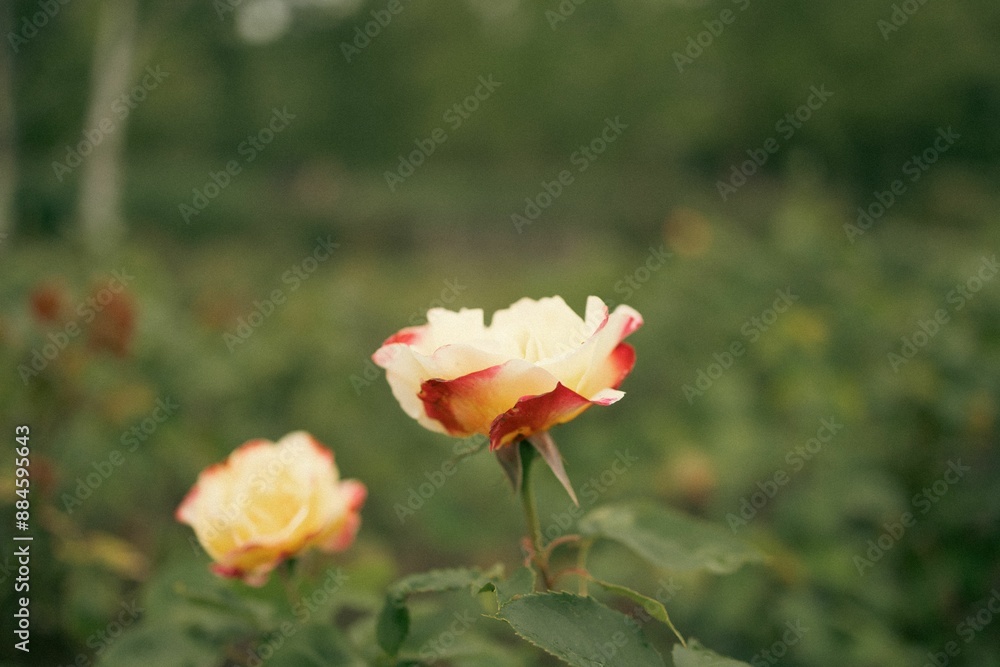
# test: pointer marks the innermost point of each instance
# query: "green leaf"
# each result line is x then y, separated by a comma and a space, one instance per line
187, 616
579, 631
315, 646
470, 650
670, 539
393, 625
696, 655
161, 645
394, 620
438, 581
521, 582
651, 606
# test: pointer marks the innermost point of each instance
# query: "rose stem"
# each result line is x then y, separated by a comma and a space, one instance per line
531, 512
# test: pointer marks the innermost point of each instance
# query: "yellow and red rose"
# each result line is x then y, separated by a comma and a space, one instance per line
270, 501
537, 364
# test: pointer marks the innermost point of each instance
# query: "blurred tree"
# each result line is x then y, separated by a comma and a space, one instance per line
8, 159
99, 207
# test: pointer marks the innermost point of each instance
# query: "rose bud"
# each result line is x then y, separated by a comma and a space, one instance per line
270, 501
536, 365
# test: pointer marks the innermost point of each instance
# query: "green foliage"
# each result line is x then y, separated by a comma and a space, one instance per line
394, 619
355, 119
652, 607
188, 614
307, 365
579, 631
696, 655
317, 646
521, 582
669, 539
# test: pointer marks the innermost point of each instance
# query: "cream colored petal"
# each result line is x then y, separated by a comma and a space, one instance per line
610, 360
540, 329
447, 327
587, 369
410, 369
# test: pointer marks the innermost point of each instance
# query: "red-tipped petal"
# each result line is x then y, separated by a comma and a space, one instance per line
620, 363
408, 336
469, 404
355, 492
534, 414
344, 536
633, 321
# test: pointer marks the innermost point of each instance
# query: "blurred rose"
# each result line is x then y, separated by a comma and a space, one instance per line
269, 501
113, 322
48, 302
536, 365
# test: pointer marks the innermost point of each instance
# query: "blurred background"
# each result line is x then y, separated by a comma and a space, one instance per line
213, 212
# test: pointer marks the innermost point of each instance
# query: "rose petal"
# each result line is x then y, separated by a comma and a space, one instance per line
541, 329
469, 404
410, 369
591, 368
534, 414
536, 365
611, 371
269, 501
340, 535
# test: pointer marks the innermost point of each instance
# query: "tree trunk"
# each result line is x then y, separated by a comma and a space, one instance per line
99, 207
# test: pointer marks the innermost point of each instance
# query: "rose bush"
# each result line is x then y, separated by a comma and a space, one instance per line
536, 365
268, 502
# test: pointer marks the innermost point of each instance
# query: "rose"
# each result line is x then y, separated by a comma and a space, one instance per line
269, 501
536, 365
